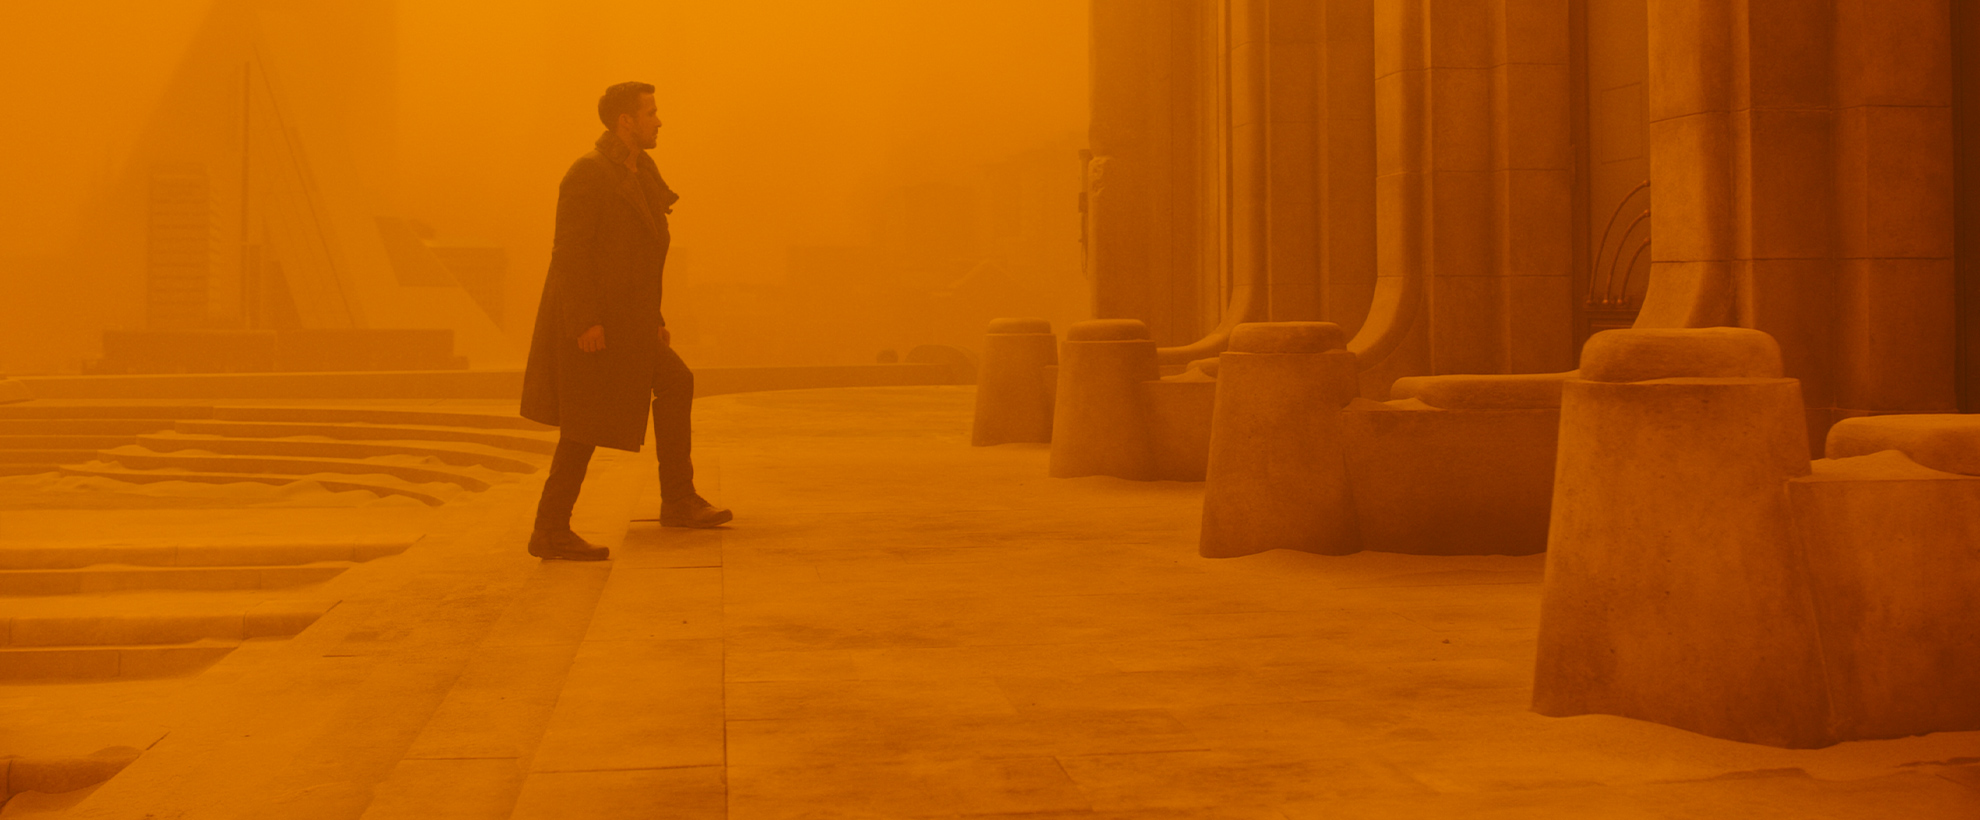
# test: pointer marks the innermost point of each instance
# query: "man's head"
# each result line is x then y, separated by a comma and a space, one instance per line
628, 110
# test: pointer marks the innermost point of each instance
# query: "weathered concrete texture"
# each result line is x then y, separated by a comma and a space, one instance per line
1278, 475
1701, 574
1524, 391
1644, 354
1099, 425
1013, 398
1113, 414
1892, 551
1179, 410
1432, 481
1298, 462
1674, 592
1940, 441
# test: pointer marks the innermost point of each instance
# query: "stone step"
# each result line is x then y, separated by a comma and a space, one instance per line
88, 663
82, 426
46, 456
459, 455
376, 415
293, 467
25, 582
42, 781
45, 410
333, 485
176, 554
63, 442
470, 755
68, 626
540, 443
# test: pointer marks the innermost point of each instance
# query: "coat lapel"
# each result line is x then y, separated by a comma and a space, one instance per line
627, 184
612, 154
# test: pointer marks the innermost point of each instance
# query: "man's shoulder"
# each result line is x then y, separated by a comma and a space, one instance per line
588, 167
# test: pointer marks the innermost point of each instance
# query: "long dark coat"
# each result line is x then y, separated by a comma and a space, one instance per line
605, 268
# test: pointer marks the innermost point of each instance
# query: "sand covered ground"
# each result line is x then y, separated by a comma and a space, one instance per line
897, 625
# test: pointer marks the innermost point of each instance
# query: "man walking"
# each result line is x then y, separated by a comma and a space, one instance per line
600, 346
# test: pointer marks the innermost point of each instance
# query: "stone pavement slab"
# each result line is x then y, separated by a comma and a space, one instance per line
901, 626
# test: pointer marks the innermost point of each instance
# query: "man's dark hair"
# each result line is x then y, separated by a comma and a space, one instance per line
621, 99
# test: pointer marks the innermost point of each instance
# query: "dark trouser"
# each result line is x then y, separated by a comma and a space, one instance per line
673, 401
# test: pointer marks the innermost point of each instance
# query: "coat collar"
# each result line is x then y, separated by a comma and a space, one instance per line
612, 153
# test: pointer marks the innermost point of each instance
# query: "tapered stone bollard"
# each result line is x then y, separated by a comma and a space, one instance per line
1099, 426
1673, 591
1013, 398
1278, 470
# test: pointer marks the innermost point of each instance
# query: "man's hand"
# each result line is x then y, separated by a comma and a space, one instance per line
593, 340
666, 338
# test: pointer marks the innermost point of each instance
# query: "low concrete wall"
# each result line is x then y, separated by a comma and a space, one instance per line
457, 384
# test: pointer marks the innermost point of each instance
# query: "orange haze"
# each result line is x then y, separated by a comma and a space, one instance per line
855, 175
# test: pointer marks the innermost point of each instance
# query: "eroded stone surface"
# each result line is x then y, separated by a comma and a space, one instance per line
1645, 354
1941, 441
1534, 391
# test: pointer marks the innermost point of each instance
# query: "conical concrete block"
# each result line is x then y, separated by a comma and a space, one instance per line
1277, 476
1099, 424
1013, 396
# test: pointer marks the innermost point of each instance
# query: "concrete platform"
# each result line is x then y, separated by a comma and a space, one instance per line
902, 626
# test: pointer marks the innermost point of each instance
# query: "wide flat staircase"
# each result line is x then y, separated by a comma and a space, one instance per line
86, 612
413, 453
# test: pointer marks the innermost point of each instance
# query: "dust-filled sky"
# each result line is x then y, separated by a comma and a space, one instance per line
788, 122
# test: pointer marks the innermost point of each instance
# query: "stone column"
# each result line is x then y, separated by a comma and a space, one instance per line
1250, 145
1147, 188
1802, 157
1303, 128
1275, 123
1894, 215
1346, 175
1474, 190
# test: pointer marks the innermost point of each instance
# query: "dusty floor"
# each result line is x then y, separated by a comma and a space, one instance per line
900, 625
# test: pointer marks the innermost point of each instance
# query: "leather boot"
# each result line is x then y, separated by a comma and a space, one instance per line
694, 512
564, 545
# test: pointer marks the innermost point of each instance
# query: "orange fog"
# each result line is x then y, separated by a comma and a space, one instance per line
856, 177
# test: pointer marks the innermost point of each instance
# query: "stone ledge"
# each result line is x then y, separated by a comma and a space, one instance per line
1942, 441
1526, 391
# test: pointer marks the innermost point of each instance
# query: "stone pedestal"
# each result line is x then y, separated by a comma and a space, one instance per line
1443, 481
1674, 592
1277, 475
1099, 424
1893, 556
1179, 411
1013, 398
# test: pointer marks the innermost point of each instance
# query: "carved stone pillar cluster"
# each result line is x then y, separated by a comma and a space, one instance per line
1303, 158
1474, 190
1232, 176
1802, 155
1152, 195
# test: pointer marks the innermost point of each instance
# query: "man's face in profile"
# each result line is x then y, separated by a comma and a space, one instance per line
646, 123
